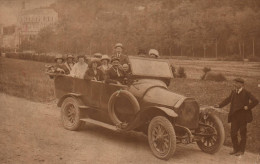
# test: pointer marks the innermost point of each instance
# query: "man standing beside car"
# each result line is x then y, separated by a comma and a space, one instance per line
242, 102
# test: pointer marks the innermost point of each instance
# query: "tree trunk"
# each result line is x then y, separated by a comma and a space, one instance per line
204, 52
243, 50
192, 49
216, 49
253, 47
240, 51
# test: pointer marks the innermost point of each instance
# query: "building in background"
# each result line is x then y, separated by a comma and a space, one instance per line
32, 21
10, 37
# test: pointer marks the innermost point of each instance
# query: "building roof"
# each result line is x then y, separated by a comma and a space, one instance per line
39, 11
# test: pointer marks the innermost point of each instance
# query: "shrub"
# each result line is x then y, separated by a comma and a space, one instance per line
181, 73
233, 58
30, 56
218, 77
254, 59
205, 70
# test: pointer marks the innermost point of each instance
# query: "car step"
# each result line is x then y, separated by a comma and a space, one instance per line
108, 126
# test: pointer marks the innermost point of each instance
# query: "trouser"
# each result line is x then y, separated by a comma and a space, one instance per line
238, 123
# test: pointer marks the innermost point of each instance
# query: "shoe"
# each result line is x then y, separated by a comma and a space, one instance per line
239, 153
233, 152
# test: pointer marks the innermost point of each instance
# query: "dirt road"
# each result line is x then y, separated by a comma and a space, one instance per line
32, 133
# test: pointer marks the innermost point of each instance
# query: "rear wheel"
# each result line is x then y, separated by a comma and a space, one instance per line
161, 137
71, 114
212, 133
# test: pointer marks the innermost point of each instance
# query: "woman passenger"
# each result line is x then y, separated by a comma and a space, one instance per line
93, 73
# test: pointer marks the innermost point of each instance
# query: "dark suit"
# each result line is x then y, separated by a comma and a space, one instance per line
90, 75
238, 116
122, 58
113, 76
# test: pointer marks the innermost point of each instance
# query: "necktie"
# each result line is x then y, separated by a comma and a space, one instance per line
118, 74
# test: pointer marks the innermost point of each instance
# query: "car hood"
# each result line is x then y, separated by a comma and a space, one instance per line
156, 92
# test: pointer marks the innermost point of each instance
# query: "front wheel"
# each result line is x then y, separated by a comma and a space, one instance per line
161, 137
211, 133
71, 114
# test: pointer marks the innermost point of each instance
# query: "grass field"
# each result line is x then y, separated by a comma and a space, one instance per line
27, 79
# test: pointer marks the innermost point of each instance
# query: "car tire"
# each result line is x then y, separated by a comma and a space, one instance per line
71, 114
205, 144
162, 137
111, 105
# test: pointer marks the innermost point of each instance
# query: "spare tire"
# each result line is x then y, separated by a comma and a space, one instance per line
122, 107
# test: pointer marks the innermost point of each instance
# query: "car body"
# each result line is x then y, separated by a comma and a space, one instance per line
143, 104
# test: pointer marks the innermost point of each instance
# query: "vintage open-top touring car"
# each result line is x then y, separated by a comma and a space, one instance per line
142, 104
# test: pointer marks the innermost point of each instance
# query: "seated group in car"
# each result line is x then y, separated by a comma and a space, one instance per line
99, 67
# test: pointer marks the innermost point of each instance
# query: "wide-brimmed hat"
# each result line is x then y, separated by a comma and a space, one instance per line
59, 56
118, 45
70, 56
105, 57
115, 58
239, 80
80, 56
154, 52
97, 55
93, 60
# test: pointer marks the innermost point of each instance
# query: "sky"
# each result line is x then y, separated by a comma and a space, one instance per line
9, 9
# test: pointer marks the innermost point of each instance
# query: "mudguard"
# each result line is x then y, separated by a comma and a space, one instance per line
138, 119
67, 95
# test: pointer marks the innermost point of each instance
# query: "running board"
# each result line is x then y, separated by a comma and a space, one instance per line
102, 124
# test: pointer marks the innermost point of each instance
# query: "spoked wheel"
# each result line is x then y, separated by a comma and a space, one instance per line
161, 137
70, 114
211, 132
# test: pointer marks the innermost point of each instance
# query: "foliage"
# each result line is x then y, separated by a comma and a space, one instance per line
205, 71
181, 73
212, 76
30, 56
198, 28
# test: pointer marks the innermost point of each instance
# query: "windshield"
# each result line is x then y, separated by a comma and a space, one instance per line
150, 67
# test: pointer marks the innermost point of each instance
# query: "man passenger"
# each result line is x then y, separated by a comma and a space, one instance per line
115, 74
79, 69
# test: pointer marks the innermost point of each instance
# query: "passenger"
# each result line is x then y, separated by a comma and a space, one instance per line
153, 53
123, 59
126, 68
79, 69
105, 64
59, 67
93, 73
141, 53
115, 74
69, 64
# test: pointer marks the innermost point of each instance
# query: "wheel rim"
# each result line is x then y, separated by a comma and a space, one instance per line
70, 114
160, 139
212, 138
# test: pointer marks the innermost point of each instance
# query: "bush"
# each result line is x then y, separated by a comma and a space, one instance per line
218, 77
181, 73
205, 70
233, 58
254, 59
30, 56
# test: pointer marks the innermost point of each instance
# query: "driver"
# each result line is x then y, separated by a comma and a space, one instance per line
115, 74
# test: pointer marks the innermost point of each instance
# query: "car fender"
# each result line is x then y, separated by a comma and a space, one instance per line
139, 117
76, 95
168, 111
